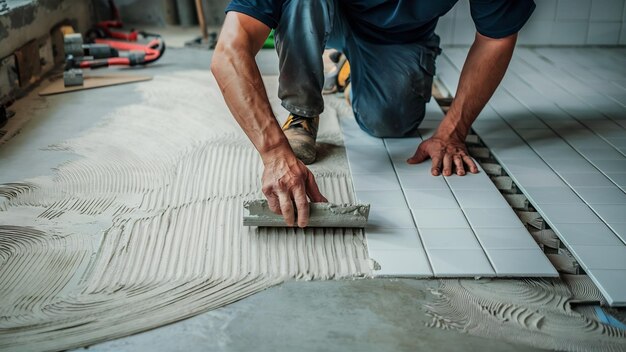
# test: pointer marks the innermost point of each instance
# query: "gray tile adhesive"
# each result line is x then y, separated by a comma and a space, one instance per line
144, 229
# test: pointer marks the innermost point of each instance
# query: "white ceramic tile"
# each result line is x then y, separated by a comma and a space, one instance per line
595, 234
392, 239
606, 10
601, 257
356, 138
518, 152
618, 177
568, 213
440, 218
545, 10
526, 165
408, 263
459, 263
376, 162
401, 165
382, 199
569, 32
423, 180
612, 284
386, 181
449, 238
571, 165
604, 33
537, 179
430, 199
401, 148
397, 217
601, 153
586, 179
492, 218
470, 181
611, 212
521, 262
556, 152
573, 9
606, 166
505, 238
602, 195
551, 195
480, 198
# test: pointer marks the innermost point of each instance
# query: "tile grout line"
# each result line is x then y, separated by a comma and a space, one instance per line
548, 164
406, 202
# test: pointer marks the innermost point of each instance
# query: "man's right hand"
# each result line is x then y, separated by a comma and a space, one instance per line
287, 181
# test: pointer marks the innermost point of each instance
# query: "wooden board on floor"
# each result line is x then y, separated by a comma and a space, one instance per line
57, 86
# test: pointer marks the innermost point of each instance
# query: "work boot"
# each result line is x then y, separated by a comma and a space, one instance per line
301, 133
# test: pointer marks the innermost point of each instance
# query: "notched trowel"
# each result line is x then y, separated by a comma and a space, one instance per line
258, 213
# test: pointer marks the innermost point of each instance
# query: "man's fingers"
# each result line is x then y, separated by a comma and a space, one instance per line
436, 167
471, 165
313, 191
458, 164
273, 203
419, 156
302, 206
286, 207
447, 165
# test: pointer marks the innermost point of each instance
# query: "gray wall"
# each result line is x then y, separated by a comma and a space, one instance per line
25, 20
555, 22
162, 12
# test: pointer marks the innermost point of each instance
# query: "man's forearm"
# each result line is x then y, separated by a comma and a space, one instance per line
482, 72
239, 78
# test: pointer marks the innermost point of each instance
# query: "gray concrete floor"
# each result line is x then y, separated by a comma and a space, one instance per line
349, 315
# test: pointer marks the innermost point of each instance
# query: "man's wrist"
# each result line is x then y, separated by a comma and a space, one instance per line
451, 128
278, 151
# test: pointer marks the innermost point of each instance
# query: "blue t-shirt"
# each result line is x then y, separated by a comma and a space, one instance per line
403, 21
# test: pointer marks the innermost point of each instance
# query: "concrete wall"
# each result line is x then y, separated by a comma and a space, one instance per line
145, 12
555, 22
162, 12
24, 20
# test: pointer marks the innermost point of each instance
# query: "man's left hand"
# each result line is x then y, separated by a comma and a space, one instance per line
447, 153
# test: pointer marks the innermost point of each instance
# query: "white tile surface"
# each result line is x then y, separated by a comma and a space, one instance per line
460, 263
430, 199
602, 257
521, 262
505, 238
449, 238
492, 218
594, 234
469, 181
480, 198
602, 195
440, 218
551, 195
612, 284
382, 199
568, 213
386, 181
392, 239
407, 262
397, 217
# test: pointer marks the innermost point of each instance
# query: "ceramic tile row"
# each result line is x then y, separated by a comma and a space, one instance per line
445, 245
392, 239
567, 159
465, 220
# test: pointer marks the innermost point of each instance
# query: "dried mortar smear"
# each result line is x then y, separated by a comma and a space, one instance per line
145, 228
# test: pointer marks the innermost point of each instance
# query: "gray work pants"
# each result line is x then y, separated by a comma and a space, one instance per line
391, 83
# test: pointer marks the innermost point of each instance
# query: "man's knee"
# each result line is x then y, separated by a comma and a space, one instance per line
390, 120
